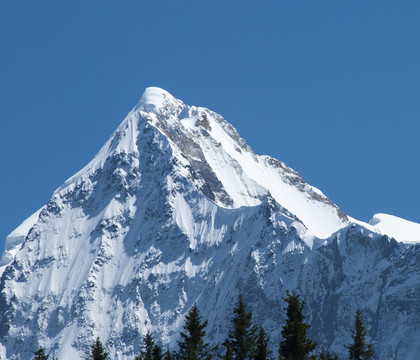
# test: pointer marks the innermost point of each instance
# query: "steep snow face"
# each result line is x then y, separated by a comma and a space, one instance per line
16, 238
227, 171
176, 209
219, 162
361, 269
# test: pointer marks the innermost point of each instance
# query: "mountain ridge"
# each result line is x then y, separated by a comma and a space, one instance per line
176, 205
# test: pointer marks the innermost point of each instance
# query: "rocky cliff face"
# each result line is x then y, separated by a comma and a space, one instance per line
176, 209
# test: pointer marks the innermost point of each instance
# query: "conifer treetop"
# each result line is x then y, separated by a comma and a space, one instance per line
359, 349
192, 345
97, 351
295, 344
40, 354
241, 340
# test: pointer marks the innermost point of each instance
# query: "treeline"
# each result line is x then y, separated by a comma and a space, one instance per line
245, 340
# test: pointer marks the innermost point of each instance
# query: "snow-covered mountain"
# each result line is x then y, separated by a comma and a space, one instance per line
176, 209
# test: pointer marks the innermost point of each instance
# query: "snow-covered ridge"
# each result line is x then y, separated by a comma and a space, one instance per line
396, 227
16, 238
402, 230
219, 161
238, 176
234, 175
177, 209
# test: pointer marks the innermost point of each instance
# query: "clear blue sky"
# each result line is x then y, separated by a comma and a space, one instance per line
331, 88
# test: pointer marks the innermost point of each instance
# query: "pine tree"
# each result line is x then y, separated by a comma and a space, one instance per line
168, 355
240, 344
157, 352
359, 350
97, 351
192, 345
147, 352
326, 355
40, 354
151, 351
261, 348
295, 344
229, 353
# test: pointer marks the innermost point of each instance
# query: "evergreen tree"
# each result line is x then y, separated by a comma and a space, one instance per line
326, 355
261, 348
147, 352
228, 353
241, 341
157, 352
192, 345
151, 351
359, 350
97, 351
40, 354
168, 355
295, 344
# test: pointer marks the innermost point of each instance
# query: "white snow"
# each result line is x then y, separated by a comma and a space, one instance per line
152, 99
133, 244
247, 177
396, 227
15, 239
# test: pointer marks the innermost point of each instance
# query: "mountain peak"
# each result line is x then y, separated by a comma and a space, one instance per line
154, 99
176, 209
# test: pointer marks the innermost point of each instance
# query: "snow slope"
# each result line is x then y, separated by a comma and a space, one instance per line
176, 209
246, 178
393, 226
15, 239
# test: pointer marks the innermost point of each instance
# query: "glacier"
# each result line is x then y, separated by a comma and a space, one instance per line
177, 209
